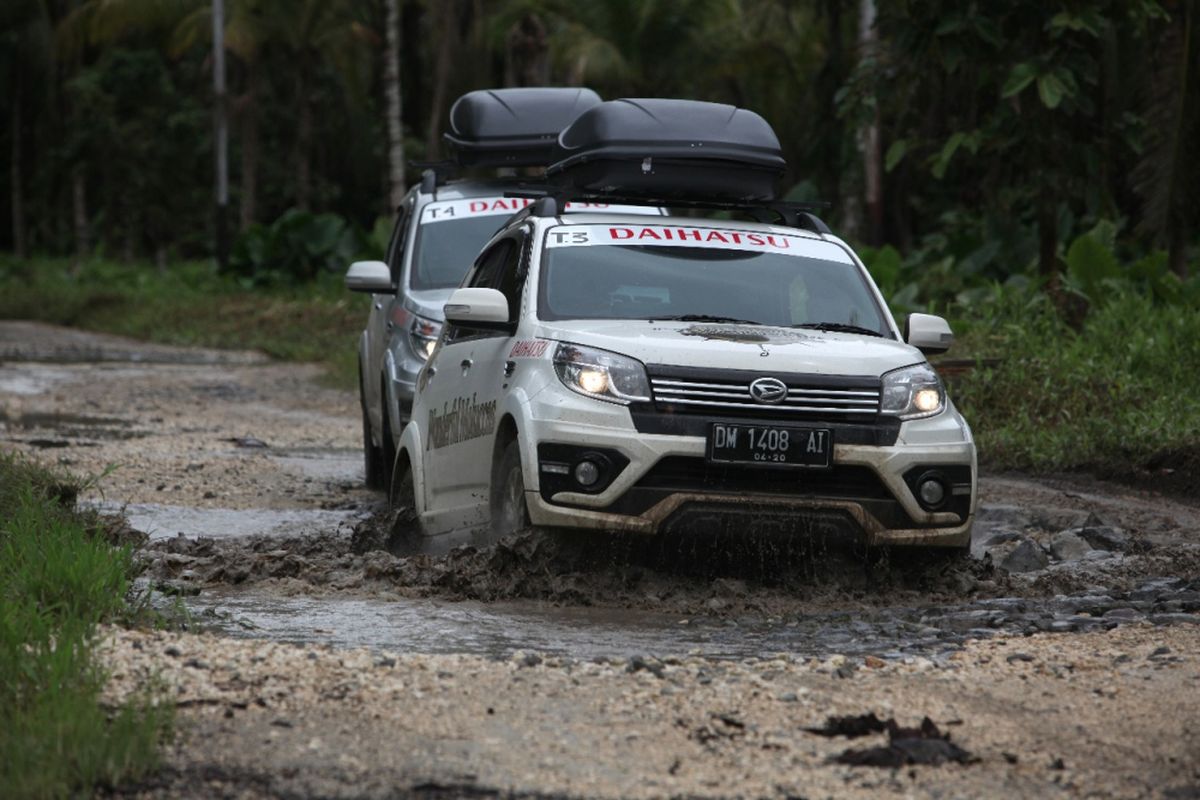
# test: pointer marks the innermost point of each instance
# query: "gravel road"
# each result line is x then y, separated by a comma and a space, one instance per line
1063, 659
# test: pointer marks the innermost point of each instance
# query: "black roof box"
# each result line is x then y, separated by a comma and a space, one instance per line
513, 127
664, 149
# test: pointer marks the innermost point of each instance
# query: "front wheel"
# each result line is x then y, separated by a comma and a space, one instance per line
374, 470
405, 535
506, 501
388, 452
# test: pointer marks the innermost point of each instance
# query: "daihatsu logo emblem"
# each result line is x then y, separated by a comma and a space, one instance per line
768, 390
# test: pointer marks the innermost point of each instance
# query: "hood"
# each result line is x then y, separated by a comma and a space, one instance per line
429, 303
732, 346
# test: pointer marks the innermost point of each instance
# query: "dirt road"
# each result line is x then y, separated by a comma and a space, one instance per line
1064, 659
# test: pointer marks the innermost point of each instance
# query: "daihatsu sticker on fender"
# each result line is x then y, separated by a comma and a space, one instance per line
681, 236
445, 210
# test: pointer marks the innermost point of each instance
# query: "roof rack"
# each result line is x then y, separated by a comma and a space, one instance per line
552, 199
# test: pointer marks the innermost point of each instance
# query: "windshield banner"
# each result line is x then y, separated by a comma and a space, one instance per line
445, 210
683, 236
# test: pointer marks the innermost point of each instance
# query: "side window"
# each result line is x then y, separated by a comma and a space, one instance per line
489, 265
512, 275
485, 274
395, 253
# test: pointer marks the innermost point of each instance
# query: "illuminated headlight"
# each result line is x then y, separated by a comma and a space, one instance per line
423, 335
912, 392
601, 374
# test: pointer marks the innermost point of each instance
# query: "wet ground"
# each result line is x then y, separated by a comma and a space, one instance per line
245, 478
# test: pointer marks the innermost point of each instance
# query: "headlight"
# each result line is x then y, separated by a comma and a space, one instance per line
601, 374
912, 392
423, 335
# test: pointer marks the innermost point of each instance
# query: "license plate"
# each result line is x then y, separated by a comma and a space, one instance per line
770, 445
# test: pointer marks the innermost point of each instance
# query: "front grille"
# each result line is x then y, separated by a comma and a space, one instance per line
808, 397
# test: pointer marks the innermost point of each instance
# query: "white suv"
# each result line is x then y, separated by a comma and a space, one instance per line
617, 372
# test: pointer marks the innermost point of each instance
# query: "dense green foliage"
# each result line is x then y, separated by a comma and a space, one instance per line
58, 580
1009, 127
1110, 395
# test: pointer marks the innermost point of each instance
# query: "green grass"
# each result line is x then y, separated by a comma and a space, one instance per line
1111, 395
58, 580
190, 304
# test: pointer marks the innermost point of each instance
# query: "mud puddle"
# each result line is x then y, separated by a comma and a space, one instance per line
161, 522
498, 630
587, 597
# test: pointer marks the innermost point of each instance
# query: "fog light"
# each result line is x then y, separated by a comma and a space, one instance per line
932, 492
587, 473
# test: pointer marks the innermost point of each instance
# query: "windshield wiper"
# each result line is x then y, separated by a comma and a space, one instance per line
705, 318
838, 327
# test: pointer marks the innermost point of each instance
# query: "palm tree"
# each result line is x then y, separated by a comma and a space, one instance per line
394, 97
1169, 171
26, 49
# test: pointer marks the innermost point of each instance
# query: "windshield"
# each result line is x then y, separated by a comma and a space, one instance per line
452, 232
702, 274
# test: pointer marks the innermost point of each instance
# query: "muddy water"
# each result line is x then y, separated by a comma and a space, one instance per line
332, 596
165, 521
501, 629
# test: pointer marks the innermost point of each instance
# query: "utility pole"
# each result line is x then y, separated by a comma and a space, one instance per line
392, 94
221, 125
868, 137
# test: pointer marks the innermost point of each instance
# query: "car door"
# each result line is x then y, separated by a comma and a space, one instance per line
463, 393
379, 323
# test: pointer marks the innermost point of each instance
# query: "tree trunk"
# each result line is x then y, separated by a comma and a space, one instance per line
527, 62
1177, 247
250, 149
447, 22
1047, 223
392, 94
869, 143
15, 177
83, 239
220, 134
304, 136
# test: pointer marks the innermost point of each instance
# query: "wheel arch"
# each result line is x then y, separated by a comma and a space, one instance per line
506, 433
408, 455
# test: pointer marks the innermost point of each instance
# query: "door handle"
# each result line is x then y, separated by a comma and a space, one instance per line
466, 364
509, 368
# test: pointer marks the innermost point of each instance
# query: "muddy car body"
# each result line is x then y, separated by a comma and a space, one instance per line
615, 372
574, 401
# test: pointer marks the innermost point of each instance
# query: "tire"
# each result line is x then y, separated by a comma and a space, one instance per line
506, 500
388, 451
406, 535
373, 465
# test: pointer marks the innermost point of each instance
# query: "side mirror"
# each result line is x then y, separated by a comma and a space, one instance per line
478, 308
369, 276
928, 333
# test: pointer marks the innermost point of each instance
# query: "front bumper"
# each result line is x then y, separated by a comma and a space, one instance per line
667, 484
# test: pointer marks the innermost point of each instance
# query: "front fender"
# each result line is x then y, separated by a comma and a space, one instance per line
411, 446
515, 404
